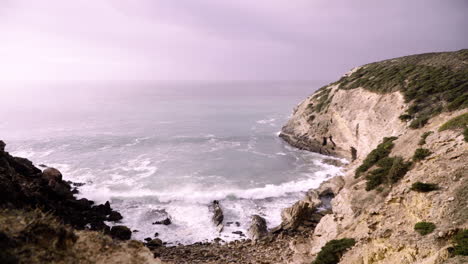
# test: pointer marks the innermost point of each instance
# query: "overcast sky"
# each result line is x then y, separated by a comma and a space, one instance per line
218, 39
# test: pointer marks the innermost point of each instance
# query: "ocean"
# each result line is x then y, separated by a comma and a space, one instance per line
168, 149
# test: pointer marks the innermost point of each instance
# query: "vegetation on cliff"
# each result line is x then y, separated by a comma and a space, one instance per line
461, 243
424, 187
332, 252
422, 141
431, 83
382, 151
424, 228
458, 122
421, 153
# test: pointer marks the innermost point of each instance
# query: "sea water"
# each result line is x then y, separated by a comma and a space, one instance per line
172, 148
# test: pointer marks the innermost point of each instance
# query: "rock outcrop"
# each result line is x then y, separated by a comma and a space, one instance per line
23, 185
350, 119
218, 215
258, 228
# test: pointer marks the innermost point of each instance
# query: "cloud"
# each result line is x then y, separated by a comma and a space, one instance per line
213, 40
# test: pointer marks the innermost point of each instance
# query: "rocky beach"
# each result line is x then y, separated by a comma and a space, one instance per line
401, 123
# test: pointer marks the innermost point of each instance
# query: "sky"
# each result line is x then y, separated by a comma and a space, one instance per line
218, 40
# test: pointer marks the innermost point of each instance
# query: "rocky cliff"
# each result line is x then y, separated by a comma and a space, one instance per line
403, 124
41, 221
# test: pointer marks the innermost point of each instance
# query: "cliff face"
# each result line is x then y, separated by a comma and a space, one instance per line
380, 205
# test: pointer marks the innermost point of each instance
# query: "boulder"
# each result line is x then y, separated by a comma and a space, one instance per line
121, 232
218, 215
154, 243
52, 175
331, 186
294, 216
258, 228
114, 216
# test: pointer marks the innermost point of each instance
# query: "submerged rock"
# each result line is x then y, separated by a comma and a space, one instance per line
258, 228
166, 221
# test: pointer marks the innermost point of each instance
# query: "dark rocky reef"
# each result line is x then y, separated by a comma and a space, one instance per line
24, 186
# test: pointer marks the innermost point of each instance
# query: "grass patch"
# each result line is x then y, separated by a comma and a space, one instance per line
422, 141
461, 243
430, 83
332, 252
421, 153
323, 99
424, 187
382, 151
424, 228
458, 122
389, 171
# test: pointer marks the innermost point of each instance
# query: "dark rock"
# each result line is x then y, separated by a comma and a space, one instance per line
156, 234
218, 215
121, 232
23, 185
166, 221
237, 224
136, 231
154, 243
258, 228
148, 239
239, 233
114, 216
52, 174
2, 146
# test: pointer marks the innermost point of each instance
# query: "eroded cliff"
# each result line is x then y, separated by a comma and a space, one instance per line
406, 167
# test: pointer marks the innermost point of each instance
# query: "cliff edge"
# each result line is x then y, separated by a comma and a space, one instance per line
404, 125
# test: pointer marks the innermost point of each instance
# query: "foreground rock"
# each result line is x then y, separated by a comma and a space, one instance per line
25, 186
258, 228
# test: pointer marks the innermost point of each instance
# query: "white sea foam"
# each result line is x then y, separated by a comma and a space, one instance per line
266, 121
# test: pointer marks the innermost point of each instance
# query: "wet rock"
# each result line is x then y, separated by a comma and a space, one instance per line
114, 216
148, 239
258, 228
121, 232
52, 175
331, 186
154, 243
156, 234
218, 215
240, 233
166, 221
292, 217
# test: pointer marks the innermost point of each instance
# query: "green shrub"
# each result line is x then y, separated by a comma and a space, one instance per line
465, 134
461, 243
382, 151
430, 83
422, 141
424, 187
332, 252
398, 169
458, 122
391, 169
424, 228
421, 153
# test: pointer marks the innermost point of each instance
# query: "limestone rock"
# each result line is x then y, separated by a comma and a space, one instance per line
331, 186
258, 228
